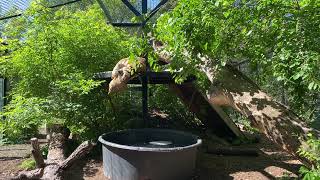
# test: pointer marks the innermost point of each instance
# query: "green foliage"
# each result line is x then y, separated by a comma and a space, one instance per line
313, 174
311, 151
54, 56
28, 164
22, 118
278, 38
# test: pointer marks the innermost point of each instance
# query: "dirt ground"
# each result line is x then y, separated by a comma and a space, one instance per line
272, 163
11, 157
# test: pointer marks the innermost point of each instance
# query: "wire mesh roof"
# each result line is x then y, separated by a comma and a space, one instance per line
13, 8
9, 9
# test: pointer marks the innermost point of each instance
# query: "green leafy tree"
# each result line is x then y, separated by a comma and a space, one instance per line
53, 58
279, 39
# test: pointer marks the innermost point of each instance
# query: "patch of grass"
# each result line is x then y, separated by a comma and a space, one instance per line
28, 164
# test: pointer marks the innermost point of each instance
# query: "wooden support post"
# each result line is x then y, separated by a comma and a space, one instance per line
36, 153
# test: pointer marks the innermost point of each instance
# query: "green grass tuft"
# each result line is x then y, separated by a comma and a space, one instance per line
28, 164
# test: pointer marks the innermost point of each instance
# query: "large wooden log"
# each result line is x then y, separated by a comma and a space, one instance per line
232, 88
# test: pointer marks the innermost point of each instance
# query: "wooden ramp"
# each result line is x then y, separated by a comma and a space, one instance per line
210, 115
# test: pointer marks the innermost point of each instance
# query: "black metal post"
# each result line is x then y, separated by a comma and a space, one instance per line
145, 77
144, 7
145, 117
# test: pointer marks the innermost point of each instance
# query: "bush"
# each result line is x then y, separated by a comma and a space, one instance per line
311, 151
22, 117
53, 59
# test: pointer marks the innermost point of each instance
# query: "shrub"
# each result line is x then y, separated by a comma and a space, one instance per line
52, 61
311, 151
22, 117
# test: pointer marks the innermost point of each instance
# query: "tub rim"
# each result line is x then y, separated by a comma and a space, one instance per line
148, 149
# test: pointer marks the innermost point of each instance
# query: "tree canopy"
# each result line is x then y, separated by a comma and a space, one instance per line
279, 40
53, 58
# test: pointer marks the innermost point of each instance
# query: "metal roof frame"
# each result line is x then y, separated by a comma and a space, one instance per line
134, 11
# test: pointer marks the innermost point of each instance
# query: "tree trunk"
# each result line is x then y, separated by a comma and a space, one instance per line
231, 88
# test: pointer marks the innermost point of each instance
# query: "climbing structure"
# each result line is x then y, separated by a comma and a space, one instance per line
210, 115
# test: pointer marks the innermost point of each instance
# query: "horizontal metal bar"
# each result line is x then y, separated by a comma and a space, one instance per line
153, 78
128, 24
9, 17
63, 4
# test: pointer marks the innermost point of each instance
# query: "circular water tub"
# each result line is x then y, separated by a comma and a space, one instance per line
149, 154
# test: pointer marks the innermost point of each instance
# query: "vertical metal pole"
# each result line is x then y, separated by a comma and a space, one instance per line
144, 7
145, 77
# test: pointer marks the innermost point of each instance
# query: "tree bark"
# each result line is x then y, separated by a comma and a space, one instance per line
232, 88
229, 87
